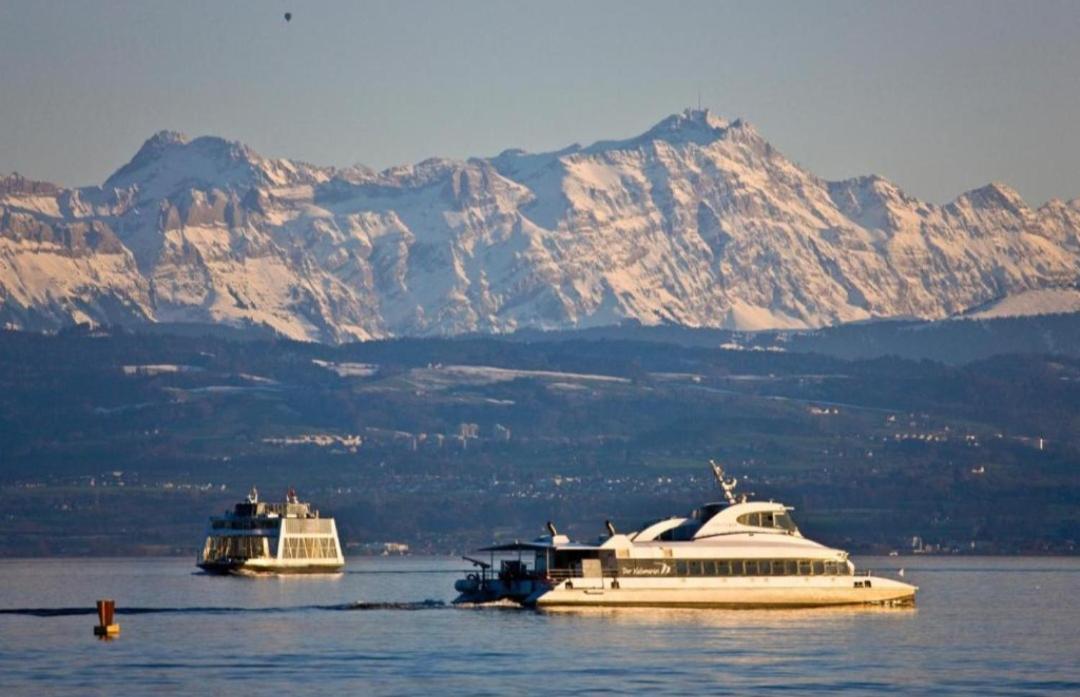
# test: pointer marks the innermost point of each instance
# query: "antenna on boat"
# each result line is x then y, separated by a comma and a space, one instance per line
728, 485
551, 528
610, 528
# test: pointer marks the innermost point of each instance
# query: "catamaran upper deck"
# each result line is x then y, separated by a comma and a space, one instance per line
267, 510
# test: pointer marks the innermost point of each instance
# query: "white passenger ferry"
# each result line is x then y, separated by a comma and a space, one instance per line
279, 538
735, 553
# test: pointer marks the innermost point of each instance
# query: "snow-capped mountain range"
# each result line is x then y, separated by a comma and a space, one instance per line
699, 221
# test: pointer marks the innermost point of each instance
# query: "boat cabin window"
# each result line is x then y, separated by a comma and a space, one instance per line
680, 533
706, 512
783, 520
220, 548
726, 567
246, 523
570, 559
310, 548
768, 519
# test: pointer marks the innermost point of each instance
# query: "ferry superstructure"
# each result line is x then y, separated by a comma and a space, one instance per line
735, 554
260, 537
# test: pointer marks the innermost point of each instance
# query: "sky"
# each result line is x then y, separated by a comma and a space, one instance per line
939, 97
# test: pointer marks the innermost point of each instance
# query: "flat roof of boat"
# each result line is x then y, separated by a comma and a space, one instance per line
523, 546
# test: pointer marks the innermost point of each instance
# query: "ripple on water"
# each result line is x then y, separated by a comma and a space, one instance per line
982, 626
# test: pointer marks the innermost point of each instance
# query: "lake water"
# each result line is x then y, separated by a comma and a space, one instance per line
984, 626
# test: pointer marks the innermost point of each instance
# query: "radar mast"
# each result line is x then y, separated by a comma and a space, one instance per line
727, 485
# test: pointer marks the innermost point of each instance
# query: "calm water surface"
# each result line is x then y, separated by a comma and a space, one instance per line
988, 626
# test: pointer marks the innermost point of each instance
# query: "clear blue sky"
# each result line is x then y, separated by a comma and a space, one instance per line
939, 97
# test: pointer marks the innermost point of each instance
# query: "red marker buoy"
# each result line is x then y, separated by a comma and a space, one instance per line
106, 628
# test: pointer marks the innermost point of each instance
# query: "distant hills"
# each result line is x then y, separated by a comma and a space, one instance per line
960, 340
113, 442
698, 222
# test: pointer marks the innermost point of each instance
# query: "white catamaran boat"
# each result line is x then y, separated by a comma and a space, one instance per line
280, 538
735, 554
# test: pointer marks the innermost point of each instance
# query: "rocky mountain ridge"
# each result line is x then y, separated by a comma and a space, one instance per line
699, 222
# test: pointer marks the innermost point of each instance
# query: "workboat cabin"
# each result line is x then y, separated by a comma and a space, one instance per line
733, 553
271, 537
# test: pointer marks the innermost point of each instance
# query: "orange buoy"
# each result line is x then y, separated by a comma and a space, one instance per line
106, 628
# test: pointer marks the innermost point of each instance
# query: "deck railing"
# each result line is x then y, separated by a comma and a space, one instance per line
552, 574
561, 574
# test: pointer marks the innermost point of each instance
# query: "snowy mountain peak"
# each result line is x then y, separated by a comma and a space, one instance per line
164, 139
169, 157
169, 163
691, 126
691, 122
154, 148
869, 188
995, 195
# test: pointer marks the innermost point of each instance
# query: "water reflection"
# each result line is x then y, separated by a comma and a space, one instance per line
784, 618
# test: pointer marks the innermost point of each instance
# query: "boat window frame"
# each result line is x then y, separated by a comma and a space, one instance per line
782, 520
727, 568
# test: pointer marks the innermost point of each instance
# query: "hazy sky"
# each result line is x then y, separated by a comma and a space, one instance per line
939, 97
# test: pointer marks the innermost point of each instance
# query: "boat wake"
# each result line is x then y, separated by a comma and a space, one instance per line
207, 610
421, 605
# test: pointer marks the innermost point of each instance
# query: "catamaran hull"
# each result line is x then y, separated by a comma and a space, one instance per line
761, 594
249, 569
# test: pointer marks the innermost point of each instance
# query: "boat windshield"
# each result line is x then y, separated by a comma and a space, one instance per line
705, 513
769, 519
784, 521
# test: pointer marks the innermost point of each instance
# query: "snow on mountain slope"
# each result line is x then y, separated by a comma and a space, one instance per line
698, 221
1043, 301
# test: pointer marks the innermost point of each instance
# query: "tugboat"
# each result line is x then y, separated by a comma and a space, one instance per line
729, 554
260, 537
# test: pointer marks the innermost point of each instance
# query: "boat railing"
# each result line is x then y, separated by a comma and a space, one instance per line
549, 574
562, 574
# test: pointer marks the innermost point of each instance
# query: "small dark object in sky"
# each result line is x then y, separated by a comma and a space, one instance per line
288, 16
